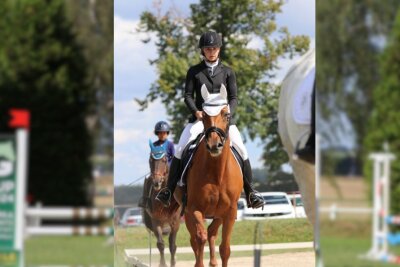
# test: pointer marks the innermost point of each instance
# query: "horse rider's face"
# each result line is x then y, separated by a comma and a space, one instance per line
162, 136
211, 53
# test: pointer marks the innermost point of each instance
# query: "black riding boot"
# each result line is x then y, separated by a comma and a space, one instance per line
165, 194
253, 198
308, 152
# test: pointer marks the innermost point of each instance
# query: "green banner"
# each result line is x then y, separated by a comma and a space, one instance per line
9, 255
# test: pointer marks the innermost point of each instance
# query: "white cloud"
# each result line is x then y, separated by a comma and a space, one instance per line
122, 136
132, 72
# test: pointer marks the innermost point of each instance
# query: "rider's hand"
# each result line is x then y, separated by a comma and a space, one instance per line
199, 115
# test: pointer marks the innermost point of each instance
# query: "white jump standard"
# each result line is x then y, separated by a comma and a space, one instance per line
381, 219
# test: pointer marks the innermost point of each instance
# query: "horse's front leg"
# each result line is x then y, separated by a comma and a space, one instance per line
172, 238
198, 235
160, 244
212, 235
224, 248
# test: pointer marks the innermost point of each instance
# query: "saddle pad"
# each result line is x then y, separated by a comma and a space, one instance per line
182, 180
302, 99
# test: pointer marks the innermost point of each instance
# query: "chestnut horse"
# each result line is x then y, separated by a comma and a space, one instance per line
157, 218
214, 182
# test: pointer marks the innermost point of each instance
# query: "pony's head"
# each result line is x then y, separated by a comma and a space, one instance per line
158, 165
216, 116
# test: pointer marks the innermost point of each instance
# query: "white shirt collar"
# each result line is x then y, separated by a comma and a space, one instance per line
211, 64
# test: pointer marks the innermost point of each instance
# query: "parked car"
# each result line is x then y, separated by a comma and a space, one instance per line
240, 209
131, 217
298, 205
276, 206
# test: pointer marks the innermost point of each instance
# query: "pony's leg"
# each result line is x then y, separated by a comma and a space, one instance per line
172, 238
160, 244
212, 235
224, 248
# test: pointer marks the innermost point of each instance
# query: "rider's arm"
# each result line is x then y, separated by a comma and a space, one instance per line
189, 92
232, 91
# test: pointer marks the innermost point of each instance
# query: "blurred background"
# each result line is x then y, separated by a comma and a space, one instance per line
56, 60
358, 85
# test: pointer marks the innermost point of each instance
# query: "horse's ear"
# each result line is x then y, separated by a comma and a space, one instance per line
204, 92
223, 92
151, 145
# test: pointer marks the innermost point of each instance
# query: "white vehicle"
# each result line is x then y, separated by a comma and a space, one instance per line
298, 205
240, 209
276, 206
131, 217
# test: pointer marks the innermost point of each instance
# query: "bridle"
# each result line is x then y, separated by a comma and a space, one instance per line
223, 135
155, 172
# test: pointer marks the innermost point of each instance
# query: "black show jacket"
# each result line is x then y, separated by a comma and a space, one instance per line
198, 75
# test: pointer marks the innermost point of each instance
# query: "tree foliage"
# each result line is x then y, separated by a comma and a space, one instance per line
350, 37
252, 45
384, 123
43, 69
92, 23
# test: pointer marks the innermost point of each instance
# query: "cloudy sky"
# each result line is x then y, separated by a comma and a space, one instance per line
133, 76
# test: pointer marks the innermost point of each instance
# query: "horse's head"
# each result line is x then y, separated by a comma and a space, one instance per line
158, 165
215, 119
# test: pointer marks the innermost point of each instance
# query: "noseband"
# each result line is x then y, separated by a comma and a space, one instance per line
223, 135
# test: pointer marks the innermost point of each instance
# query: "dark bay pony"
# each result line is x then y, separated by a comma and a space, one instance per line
158, 219
214, 182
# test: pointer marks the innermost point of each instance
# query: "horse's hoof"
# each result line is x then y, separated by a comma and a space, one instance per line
213, 264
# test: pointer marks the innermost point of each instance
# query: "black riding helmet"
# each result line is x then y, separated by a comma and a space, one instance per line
161, 126
210, 39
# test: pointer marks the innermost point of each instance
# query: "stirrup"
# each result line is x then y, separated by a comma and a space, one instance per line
257, 202
164, 196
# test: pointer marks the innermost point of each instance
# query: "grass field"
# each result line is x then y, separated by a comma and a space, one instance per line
343, 241
273, 231
68, 250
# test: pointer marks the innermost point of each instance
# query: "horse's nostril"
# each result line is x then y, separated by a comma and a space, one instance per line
220, 145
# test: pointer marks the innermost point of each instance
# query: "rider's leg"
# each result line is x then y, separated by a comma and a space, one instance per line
308, 152
191, 131
253, 198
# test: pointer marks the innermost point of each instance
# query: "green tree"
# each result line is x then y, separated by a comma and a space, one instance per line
42, 69
239, 22
350, 38
92, 23
384, 123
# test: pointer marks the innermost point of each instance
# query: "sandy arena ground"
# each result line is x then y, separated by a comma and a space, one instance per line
298, 259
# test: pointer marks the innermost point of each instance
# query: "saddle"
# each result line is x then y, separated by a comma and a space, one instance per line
190, 150
187, 156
